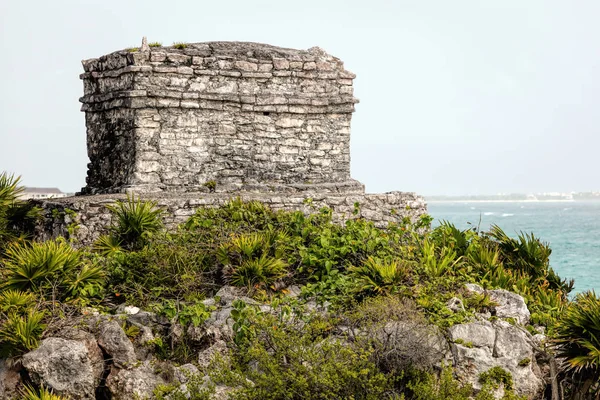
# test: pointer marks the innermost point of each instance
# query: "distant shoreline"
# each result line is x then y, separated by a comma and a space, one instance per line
509, 201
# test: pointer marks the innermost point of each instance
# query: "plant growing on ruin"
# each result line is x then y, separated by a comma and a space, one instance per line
134, 222
155, 44
180, 45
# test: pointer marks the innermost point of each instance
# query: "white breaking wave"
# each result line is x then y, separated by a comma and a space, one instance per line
489, 213
507, 215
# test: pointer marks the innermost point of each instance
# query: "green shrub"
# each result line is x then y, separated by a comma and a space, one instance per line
155, 44
261, 273
180, 45
17, 217
16, 301
302, 364
497, 376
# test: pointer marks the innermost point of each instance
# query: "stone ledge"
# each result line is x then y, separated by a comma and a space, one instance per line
93, 218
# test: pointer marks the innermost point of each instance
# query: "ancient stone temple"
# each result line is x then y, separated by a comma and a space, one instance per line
194, 125
241, 115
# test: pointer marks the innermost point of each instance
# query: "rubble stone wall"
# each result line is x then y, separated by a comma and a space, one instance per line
84, 218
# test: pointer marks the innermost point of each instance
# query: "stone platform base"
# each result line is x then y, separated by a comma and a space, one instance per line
84, 218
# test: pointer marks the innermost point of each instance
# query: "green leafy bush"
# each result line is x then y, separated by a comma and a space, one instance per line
302, 364
53, 268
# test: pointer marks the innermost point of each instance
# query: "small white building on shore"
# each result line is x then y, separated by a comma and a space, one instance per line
41, 193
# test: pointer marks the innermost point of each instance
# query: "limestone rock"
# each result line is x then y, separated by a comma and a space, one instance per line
509, 304
65, 366
206, 356
480, 346
116, 344
138, 382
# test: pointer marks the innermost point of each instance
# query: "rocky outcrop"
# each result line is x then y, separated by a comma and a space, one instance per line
481, 345
65, 366
137, 382
113, 340
72, 363
507, 304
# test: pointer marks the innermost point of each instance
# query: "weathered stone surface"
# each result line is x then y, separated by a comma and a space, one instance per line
10, 380
135, 383
508, 304
65, 366
152, 101
483, 345
116, 344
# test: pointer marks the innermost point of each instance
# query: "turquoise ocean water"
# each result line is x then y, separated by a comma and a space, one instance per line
571, 228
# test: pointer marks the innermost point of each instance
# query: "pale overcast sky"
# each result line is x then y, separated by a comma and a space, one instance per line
457, 97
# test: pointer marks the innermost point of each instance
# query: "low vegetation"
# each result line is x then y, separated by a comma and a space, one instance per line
370, 279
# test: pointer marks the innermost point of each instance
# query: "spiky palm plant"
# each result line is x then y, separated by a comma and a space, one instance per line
16, 301
577, 340
376, 277
436, 265
33, 265
17, 218
29, 393
21, 333
529, 255
107, 246
448, 235
259, 273
134, 222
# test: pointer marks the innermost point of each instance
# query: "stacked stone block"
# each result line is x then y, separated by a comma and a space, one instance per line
236, 114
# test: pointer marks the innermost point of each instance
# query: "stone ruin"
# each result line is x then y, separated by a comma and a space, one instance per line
195, 125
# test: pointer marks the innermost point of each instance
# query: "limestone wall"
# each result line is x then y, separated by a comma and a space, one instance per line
85, 218
238, 114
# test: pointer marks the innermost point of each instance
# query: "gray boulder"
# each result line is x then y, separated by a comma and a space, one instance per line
206, 356
135, 383
116, 344
480, 346
509, 304
401, 344
65, 366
